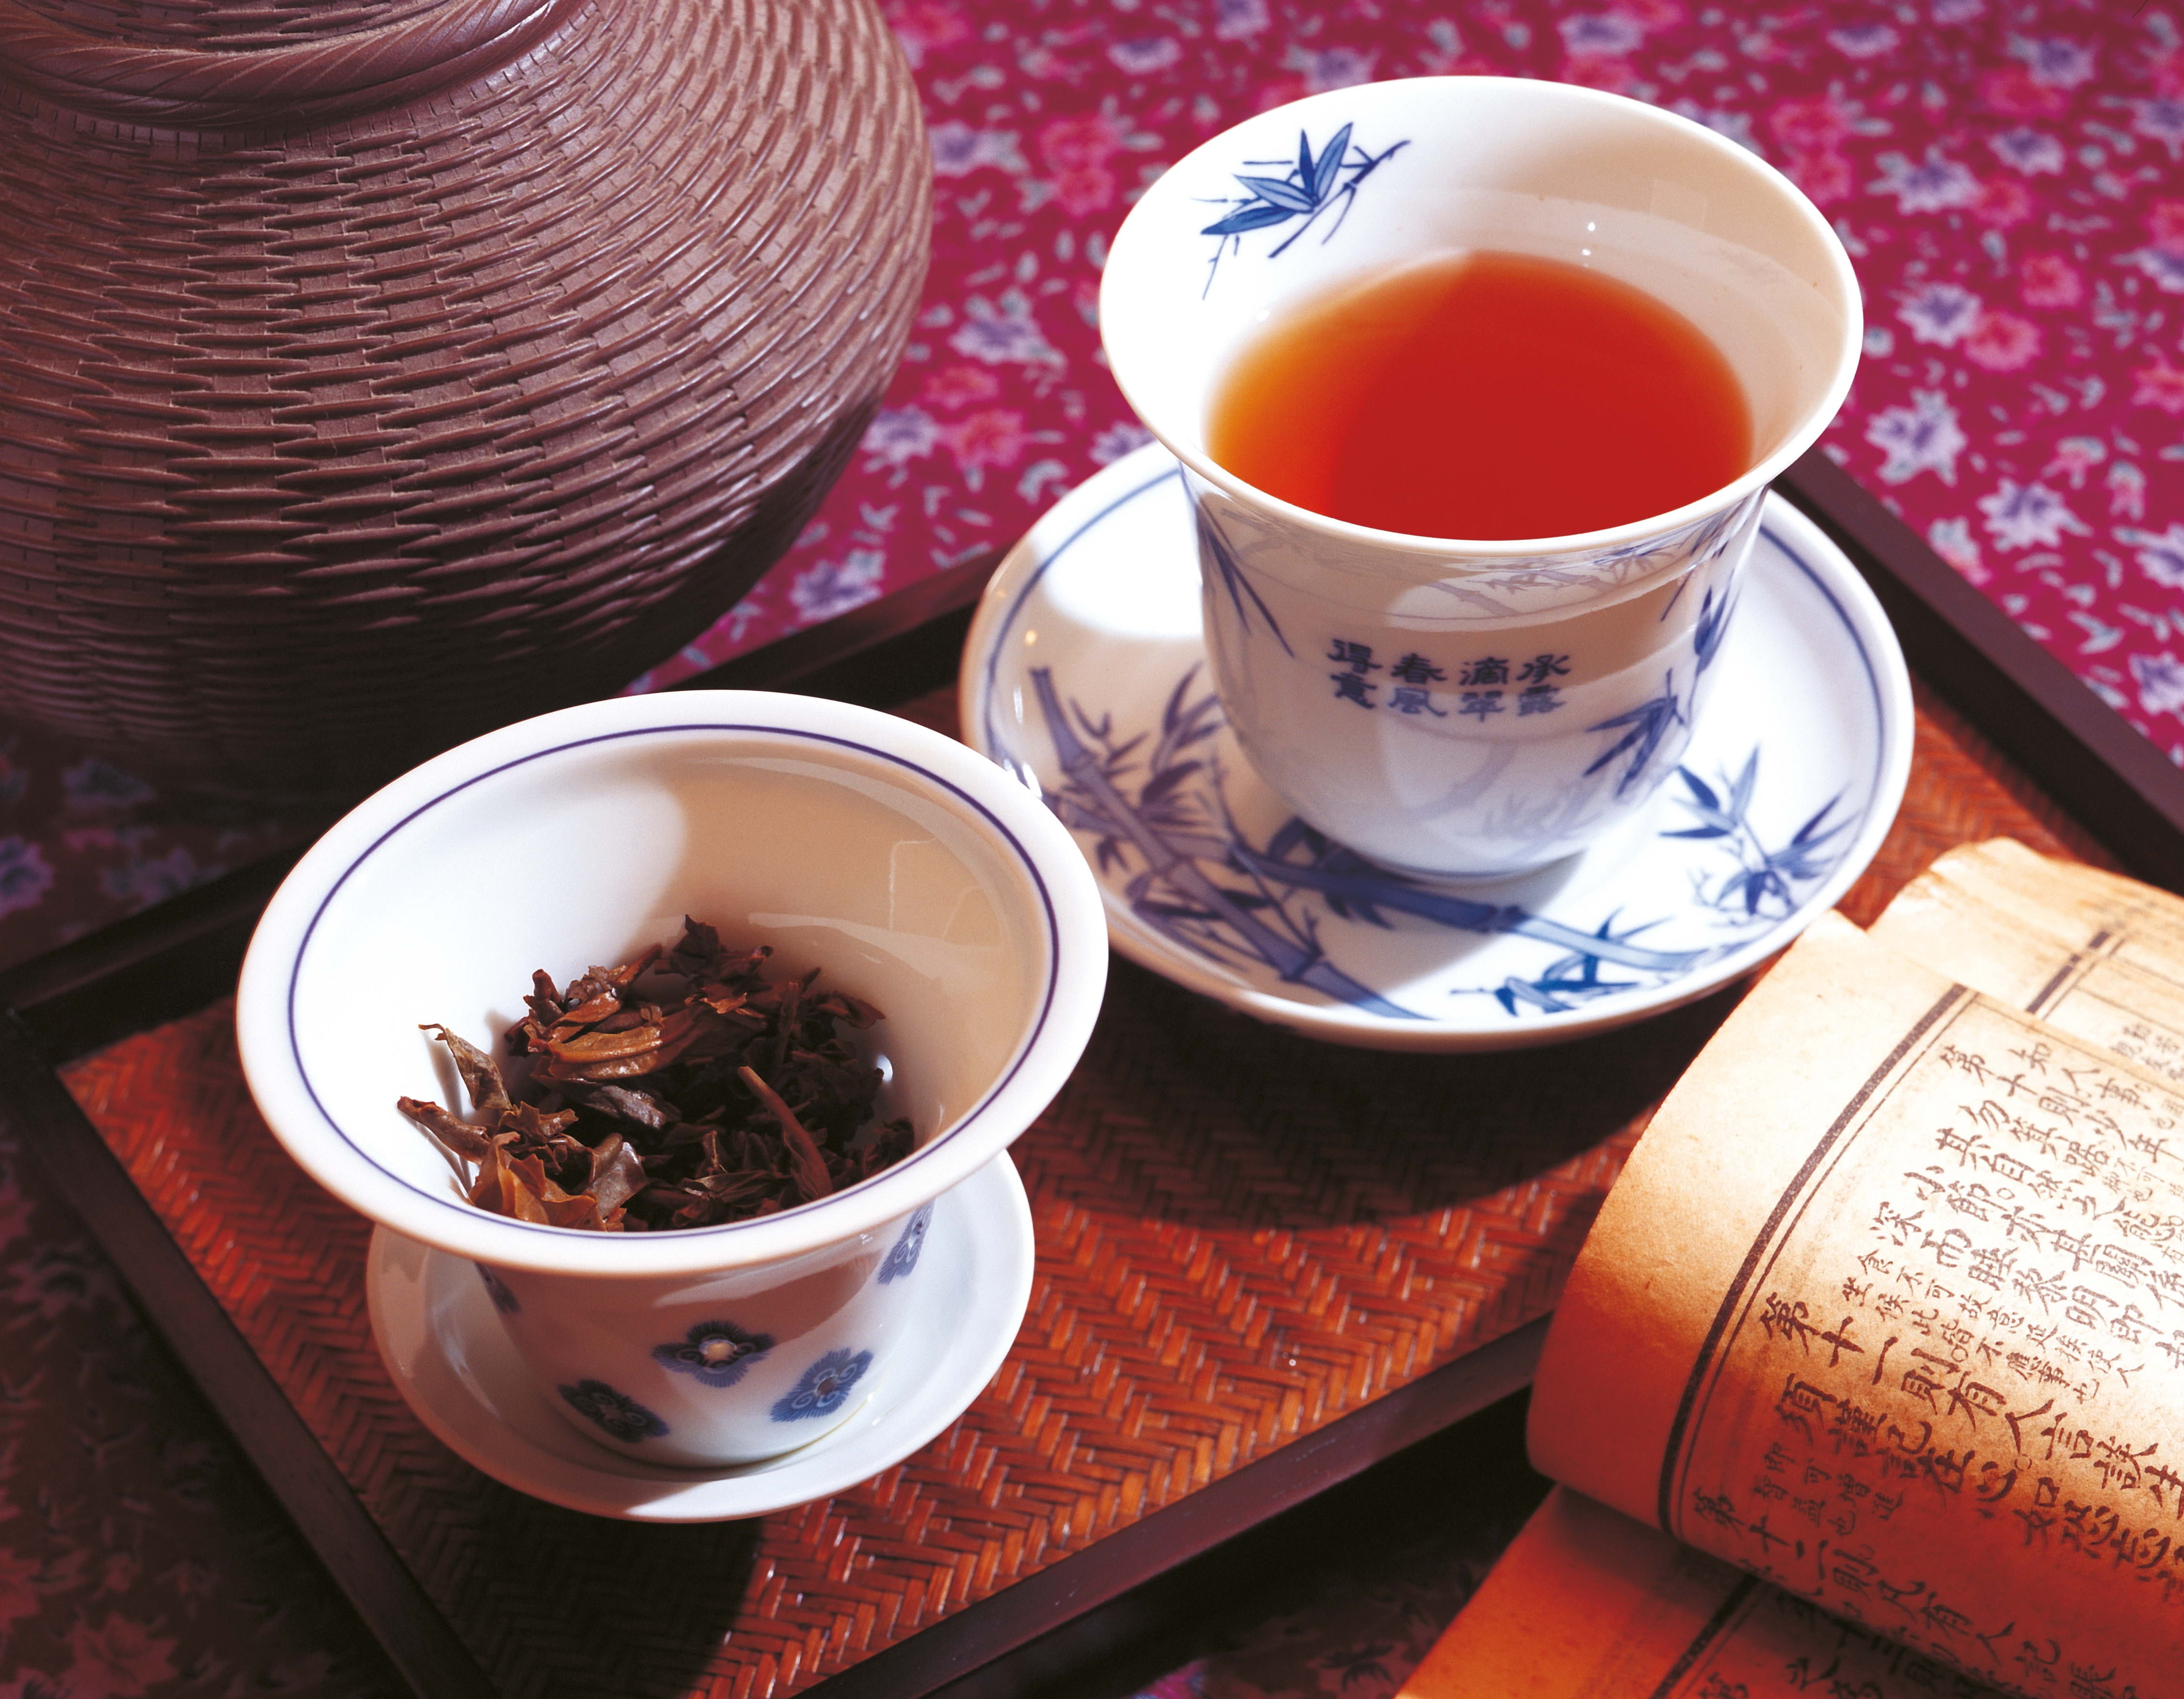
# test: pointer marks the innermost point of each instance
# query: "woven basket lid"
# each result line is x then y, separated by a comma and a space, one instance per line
374, 374
230, 25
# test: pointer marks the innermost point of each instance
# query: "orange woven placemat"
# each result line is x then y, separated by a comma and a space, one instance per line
1242, 1236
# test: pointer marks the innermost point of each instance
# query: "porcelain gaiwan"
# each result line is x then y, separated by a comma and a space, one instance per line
914, 874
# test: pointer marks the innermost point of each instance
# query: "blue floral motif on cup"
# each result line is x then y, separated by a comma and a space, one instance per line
1219, 894
718, 1353
825, 1385
1645, 728
1214, 548
1712, 627
1761, 884
1320, 181
620, 1416
1155, 800
503, 1300
904, 1257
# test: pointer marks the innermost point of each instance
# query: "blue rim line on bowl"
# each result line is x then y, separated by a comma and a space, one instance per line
1771, 534
1023, 1050
987, 731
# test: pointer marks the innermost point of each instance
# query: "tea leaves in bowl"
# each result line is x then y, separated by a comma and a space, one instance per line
684, 1089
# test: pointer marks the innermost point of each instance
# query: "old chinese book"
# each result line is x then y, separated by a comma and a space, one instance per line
2099, 956
1588, 1601
2004, 872
1871, 1374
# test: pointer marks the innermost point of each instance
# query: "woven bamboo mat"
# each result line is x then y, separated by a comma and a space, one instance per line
1242, 1236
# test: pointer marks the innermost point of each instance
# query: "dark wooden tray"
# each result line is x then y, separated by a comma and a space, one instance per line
1268, 1267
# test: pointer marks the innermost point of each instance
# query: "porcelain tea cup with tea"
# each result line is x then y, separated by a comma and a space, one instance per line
1459, 707
909, 871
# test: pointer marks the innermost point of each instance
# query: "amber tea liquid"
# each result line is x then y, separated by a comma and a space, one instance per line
1484, 395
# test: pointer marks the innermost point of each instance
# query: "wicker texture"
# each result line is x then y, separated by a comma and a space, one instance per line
397, 370
226, 25
1241, 1236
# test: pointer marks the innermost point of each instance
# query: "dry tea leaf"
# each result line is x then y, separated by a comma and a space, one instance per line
684, 1089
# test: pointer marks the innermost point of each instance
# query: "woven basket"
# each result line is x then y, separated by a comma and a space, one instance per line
372, 373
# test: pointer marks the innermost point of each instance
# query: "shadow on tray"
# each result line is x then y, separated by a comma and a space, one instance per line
1215, 1122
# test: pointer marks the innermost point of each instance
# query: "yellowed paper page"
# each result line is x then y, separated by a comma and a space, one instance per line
1588, 1604
1888, 1308
2122, 919
2007, 860
2070, 975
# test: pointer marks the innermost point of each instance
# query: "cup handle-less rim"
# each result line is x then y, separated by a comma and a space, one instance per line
1122, 296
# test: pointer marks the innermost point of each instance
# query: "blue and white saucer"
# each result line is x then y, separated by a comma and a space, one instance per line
1791, 778
454, 1364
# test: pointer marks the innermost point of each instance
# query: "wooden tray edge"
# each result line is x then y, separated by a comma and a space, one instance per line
2106, 774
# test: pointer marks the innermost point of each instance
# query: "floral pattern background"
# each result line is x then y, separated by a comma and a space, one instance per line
2007, 174
2009, 179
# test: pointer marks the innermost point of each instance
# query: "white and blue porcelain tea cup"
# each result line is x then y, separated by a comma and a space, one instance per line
1447, 707
910, 872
